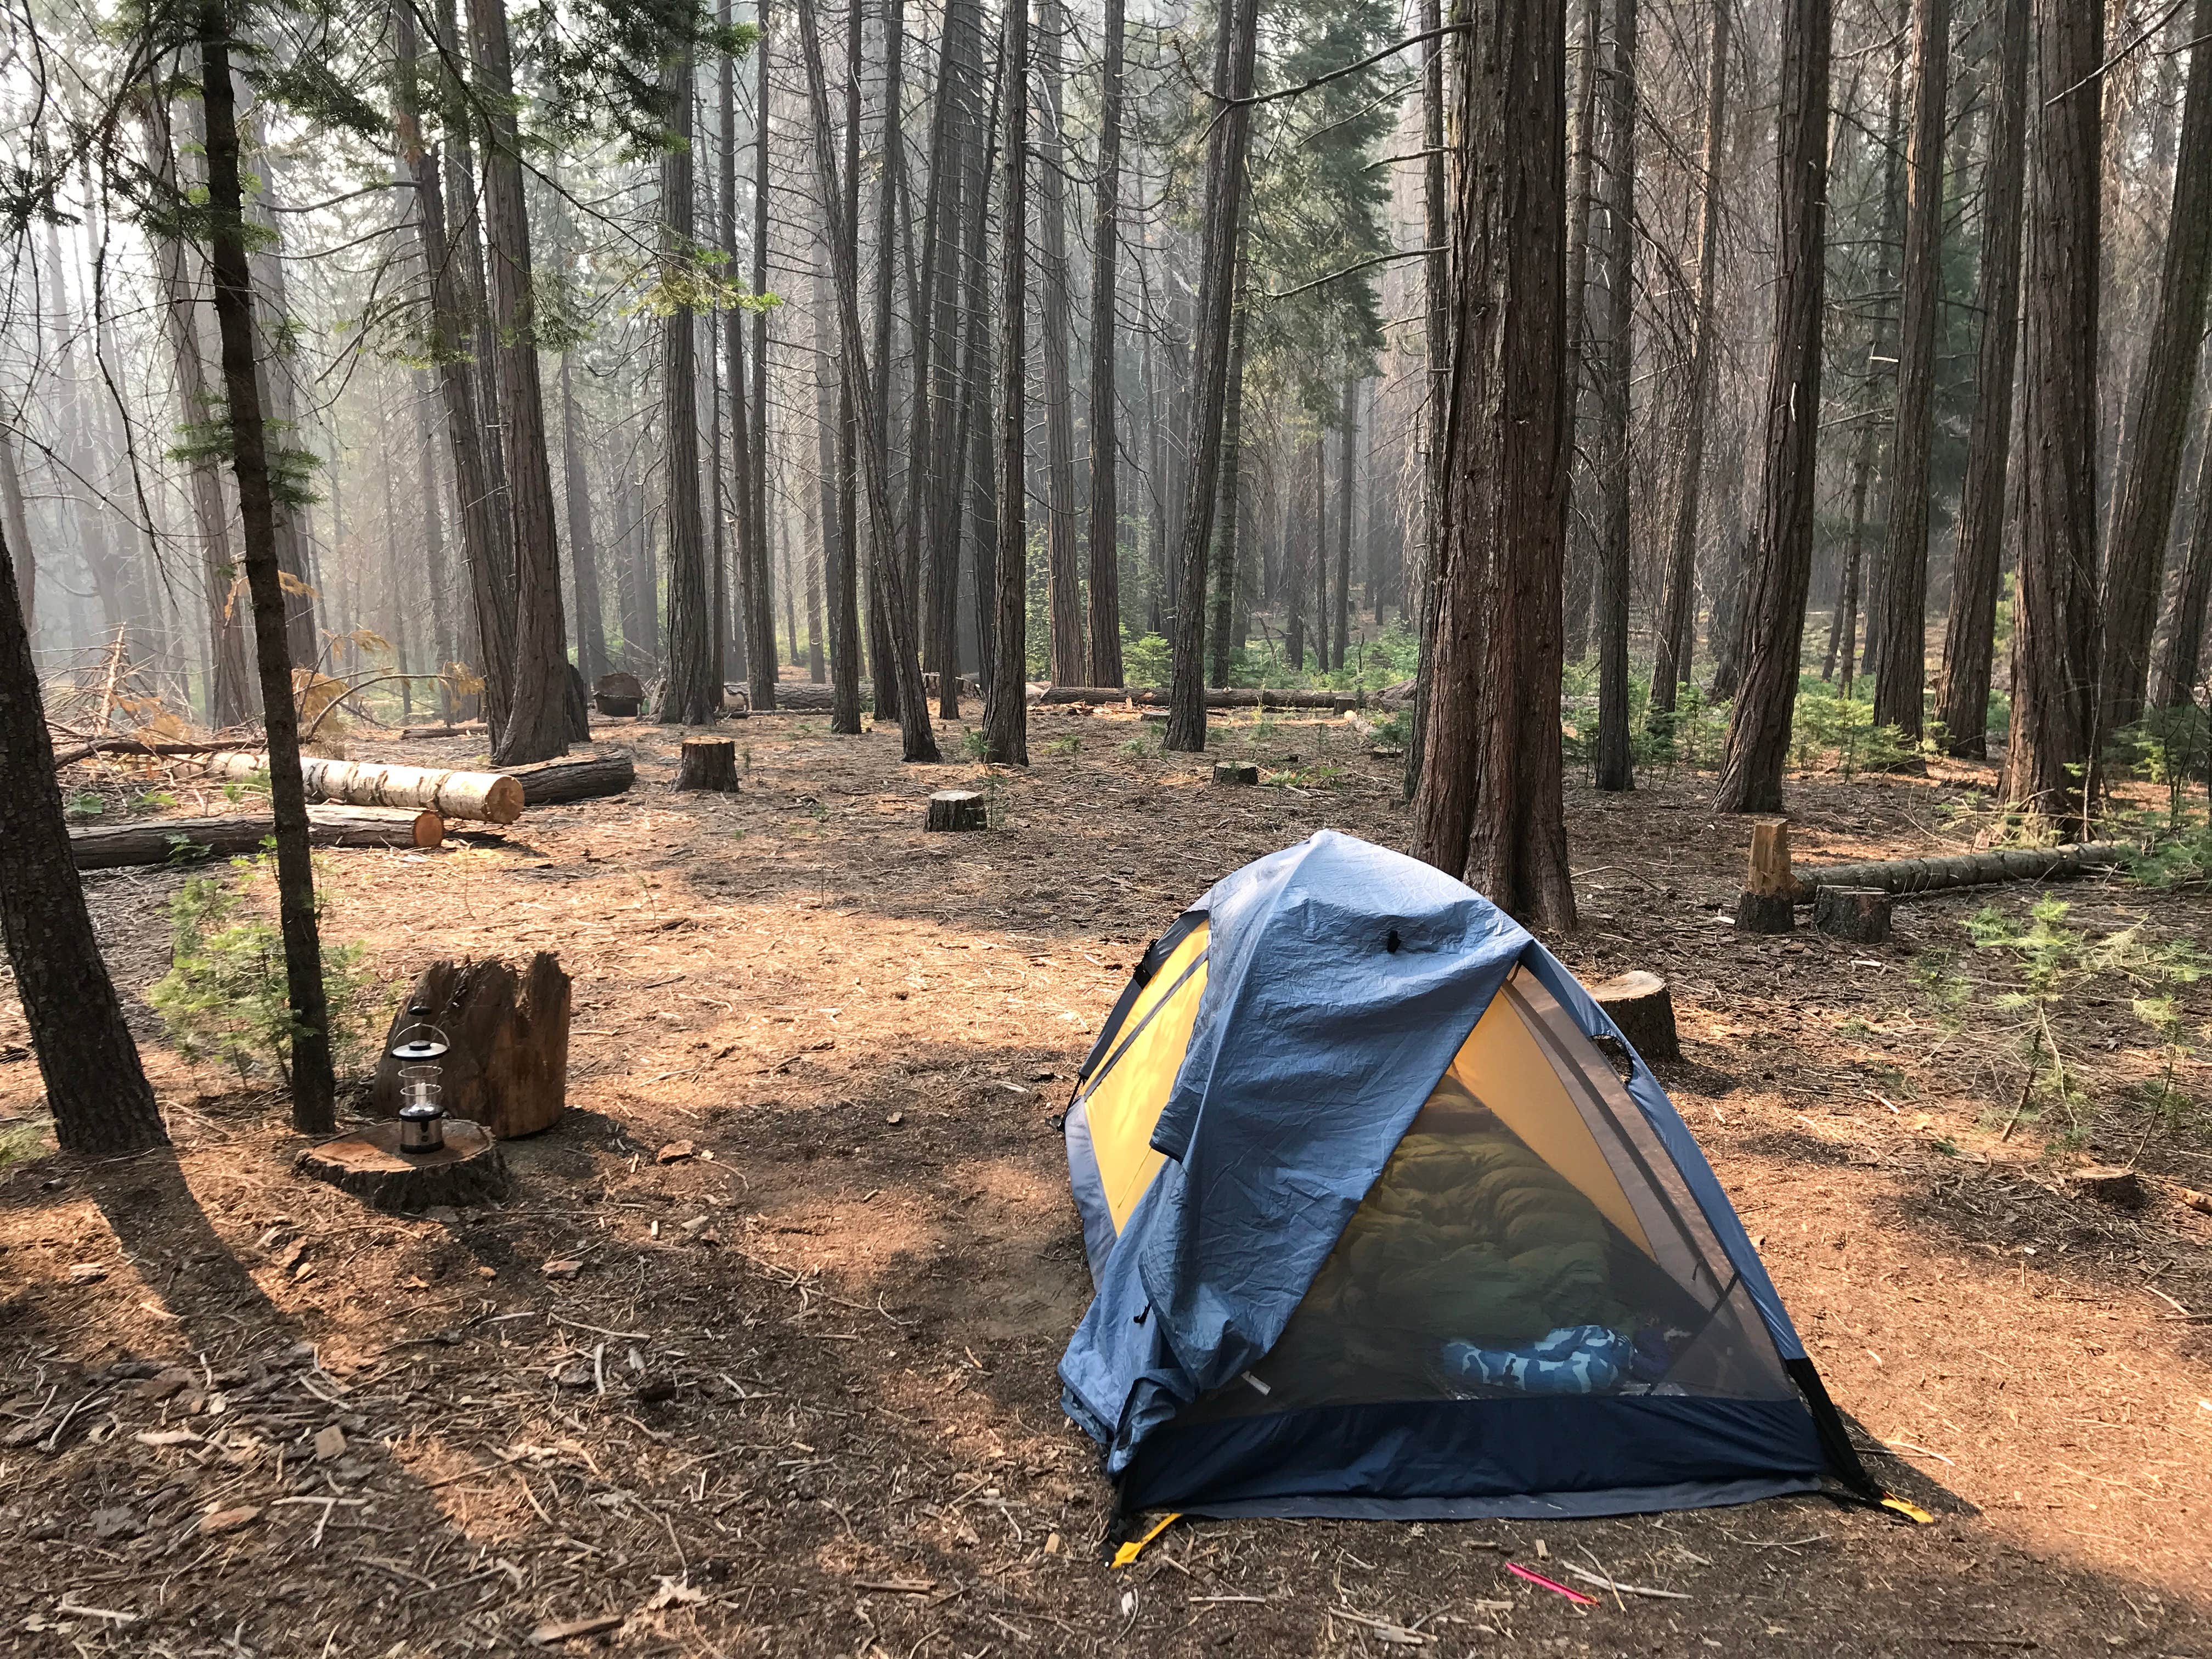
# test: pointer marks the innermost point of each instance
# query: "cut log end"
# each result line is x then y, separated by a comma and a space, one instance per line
2108, 1184
1643, 1008
959, 809
1765, 913
708, 763
1235, 772
369, 1164
1859, 913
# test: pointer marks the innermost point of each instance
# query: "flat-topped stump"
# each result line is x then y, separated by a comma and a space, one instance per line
708, 763
1860, 915
959, 809
368, 1163
1643, 1007
1236, 772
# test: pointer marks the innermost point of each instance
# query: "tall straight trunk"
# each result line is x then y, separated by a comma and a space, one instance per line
583, 543
101, 1103
1063, 558
1488, 806
1005, 709
1900, 652
1156, 502
440, 596
1235, 47
755, 620
15, 525
1581, 205
2049, 761
1614, 768
2177, 678
1436, 389
840, 582
687, 690
1962, 700
1320, 568
979, 456
1780, 563
816, 673
1678, 610
891, 149
229, 676
1344, 487
1844, 625
446, 259
1105, 615
1299, 534
312, 1085
1225, 510
538, 725
2150, 464
918, 741
761, 620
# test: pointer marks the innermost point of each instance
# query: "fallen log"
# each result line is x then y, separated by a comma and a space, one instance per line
131, 746
1974, 869
548, 783
1150, 697
177, 840
489, 796
465, 729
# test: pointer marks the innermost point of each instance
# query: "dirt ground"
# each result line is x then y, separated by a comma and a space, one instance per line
798, 1398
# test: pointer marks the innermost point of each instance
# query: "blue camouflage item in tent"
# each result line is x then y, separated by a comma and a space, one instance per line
1342, 981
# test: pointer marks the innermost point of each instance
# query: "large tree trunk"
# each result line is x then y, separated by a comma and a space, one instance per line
2150, 464
1006, 708
1962, 700
1678, 609
312, 1085
1235, 46
759, 621
1225, 510
1344, 479
15, 525
1781, 560
482, 544
2049, 762
583, 540
1614, 768
919, 740
1582, 204
1063, 558
1489, 802
2180, 657
1436, 329
537, 726
229, 677
1105, 616
883, 548
754, 623
979, 460
689, 691
101, 1103
1900, 652
931, 494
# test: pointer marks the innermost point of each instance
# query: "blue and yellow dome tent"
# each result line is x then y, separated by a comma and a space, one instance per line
1378, 1229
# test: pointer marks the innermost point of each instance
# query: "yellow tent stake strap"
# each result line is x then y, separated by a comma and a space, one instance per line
1135, 1547
1911, 1512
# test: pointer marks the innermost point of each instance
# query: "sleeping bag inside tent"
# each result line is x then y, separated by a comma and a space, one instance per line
1386, 1219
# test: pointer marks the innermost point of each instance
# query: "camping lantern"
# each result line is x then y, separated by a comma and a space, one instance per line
420, 1049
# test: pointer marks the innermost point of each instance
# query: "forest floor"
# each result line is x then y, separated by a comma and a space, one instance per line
798, 1398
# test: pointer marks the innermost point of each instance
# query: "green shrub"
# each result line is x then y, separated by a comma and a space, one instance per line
224, 996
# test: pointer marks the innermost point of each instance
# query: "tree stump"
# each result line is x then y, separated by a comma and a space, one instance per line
1861, 914
507, 1067
1770, 889
708, 763
2108, 1184
1643, 1007
959, 809
1235, 772
368, 1163
617, 693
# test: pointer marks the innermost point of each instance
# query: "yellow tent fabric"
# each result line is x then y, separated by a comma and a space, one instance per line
1126, 1102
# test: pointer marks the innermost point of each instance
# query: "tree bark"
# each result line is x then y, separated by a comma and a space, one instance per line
2177, 680
760, 639
1063, 558
1962, 700
312, 1084
689, 687
1225, 508
15, 525
1235, 44
1344, 481
883, 548
175, 841
1105, 616
755, 617
1899, 651
1678, 609
1582, 203
2048, 762
919, 741
1005, 709
1489, 801
101, 1103
2150, 465
484, 547
1614, 768
583, 541
1781, 560
538, 726
1436, 329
